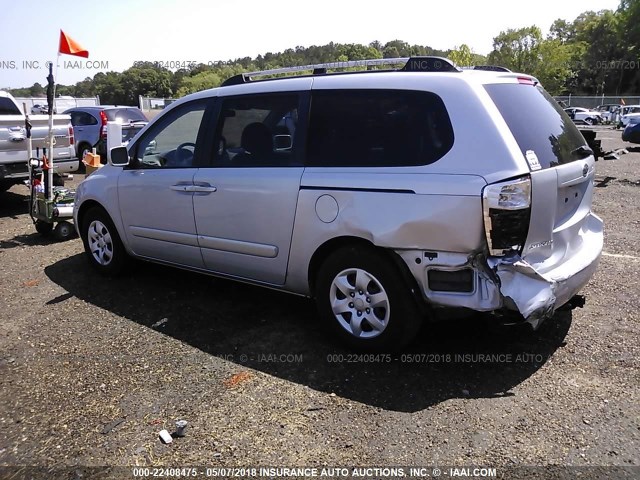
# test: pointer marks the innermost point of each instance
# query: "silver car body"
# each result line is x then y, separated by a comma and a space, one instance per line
270, 226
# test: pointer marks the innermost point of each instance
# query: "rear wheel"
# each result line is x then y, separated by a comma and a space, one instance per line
365, 300
83, 149
589, 121
102, 244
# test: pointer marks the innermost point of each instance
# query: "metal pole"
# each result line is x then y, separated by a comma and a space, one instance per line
51, 100
51, 136
27, 126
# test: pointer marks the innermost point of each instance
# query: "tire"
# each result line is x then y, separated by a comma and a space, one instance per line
367, 323
82, 149
63, 231
589, 121
43, 228
102, 245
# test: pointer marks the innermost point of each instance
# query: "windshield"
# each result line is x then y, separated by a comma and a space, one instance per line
538, 123
7, 107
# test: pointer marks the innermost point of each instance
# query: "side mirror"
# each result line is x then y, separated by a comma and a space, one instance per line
119, 156
282, 142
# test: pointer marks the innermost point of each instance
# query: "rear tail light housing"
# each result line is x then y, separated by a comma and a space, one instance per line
103, 125
507, 212
71, 137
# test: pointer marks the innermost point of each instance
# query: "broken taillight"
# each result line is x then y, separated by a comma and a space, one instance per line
507, 211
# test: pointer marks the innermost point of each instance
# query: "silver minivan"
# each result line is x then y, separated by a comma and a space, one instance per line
384, 194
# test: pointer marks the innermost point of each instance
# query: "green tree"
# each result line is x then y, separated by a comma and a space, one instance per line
462, 56
145, 80
562, 31
629, 32
554, 68
599, 35
198, 82
36, 90
517, 49
109, 87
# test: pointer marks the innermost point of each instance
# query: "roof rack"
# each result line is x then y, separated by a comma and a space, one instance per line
410, 64
492, 68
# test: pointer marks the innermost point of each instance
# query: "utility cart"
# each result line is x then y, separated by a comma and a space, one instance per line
53, 209
50, 206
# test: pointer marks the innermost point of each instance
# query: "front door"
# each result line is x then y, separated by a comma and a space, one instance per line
156, 191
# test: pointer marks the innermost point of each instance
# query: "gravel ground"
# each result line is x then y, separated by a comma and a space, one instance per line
92, 369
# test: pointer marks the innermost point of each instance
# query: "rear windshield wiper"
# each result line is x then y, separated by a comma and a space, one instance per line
582, 151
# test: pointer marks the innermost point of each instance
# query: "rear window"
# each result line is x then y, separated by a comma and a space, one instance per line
7, 107
125, 115
377, 128
538, 123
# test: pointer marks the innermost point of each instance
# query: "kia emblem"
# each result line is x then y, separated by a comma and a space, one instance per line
585, 170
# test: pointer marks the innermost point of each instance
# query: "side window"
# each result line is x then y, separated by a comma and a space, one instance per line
377, 128
75, 118
257, 131
86, 119
172, 143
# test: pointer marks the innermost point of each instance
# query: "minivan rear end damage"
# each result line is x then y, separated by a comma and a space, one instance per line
543, 242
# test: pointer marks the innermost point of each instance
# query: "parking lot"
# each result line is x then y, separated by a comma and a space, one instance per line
91, 369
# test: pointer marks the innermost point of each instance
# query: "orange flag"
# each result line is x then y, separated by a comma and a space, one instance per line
71, 47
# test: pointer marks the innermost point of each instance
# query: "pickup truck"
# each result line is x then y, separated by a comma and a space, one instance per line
13, 142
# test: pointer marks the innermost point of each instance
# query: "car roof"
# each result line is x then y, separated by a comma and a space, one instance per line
434, 67
102, 107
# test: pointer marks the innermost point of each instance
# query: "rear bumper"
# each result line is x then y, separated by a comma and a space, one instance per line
538, 295
14, 164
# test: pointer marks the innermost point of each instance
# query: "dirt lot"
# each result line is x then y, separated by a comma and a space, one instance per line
92, 369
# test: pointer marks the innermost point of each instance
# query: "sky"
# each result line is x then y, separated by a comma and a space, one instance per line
119, 32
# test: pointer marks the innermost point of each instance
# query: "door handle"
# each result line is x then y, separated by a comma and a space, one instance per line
181, 187
193, 188
203, 189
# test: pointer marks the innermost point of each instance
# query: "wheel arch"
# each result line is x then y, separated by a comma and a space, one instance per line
85, 207
88, 205
336, 243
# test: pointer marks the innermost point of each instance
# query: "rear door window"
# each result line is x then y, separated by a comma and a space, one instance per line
377, 128
82, 118
257, 131
538, 124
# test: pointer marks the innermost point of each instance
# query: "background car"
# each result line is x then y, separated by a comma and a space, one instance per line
90, 125
608, 111
627, 113
39, 109
631, 133
591, 117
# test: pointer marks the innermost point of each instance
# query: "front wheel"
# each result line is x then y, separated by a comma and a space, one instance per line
102, 244
366, 301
